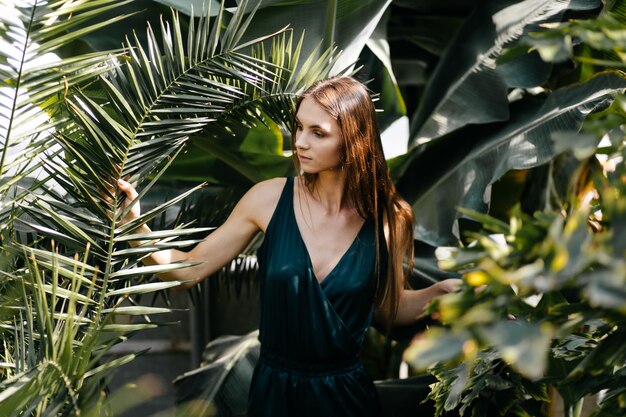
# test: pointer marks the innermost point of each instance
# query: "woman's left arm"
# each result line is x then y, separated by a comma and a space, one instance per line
413, 302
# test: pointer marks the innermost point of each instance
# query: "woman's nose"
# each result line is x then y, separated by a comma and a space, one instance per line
301, 141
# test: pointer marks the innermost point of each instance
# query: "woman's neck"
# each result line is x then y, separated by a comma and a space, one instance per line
329, 191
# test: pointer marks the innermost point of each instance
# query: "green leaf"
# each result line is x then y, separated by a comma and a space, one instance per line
468, 87
437, 347
136, 310
605, 288
161, 234
144, 288
522, 345
228, 369
36, 76
435, 181
146, 249
349, 21
128, 328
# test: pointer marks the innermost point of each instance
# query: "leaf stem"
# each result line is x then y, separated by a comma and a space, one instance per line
331, 22
17, 87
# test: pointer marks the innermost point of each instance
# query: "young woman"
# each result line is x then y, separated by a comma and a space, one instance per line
336, 240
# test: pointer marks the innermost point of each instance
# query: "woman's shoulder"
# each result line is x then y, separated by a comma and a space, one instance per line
261, 200
268, 189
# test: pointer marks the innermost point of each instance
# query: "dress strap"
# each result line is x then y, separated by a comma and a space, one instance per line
284, 203
286, 197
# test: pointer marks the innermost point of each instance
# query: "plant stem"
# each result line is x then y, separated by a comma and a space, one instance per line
578, 408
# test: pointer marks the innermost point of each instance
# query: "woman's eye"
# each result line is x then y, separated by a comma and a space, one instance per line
318, 134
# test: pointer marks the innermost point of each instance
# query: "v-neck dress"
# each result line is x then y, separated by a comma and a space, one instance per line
310, 331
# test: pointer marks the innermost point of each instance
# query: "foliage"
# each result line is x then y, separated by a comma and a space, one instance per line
543, 299
205, 99
498, 111
251, 155
480, 115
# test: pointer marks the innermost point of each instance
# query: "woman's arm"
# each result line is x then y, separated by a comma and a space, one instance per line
413, 302
251, 215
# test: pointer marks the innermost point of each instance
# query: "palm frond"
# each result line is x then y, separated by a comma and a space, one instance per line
36, 77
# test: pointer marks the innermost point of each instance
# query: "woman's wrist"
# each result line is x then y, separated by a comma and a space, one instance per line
141, 229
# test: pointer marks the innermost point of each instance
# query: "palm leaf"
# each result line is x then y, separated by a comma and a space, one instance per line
349, 24
34, 78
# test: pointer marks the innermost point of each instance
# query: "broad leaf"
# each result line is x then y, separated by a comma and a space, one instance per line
225, 376
436, 347
522, 345
468, 86
346, 24
436, 182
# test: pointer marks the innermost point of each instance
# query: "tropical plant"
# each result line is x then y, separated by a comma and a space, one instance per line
69, 284
542, 307
210, 107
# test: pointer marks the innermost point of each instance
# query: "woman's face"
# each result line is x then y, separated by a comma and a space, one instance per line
318, 138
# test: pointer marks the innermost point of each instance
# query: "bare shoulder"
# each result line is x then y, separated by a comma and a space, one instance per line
266, 191
261, 201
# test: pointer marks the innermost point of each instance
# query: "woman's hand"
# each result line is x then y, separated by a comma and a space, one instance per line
446, 286
414, 302
131, 194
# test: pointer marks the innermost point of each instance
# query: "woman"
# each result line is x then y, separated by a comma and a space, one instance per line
336, 240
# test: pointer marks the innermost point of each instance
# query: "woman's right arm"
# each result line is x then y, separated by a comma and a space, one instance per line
251, 215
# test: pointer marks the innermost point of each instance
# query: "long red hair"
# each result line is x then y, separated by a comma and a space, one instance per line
368, 183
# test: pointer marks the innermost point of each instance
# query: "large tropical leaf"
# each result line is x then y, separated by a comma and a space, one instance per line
223, 381
34, 77
377, 69
346, 24
241, 160
437, 182
469, 86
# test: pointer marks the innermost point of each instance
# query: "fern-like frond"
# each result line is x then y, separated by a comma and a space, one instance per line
35, 78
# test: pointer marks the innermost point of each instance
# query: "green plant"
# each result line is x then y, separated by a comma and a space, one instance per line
543, 302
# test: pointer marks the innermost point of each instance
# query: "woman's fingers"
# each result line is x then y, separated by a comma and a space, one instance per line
127, 188
131, 194
451, 285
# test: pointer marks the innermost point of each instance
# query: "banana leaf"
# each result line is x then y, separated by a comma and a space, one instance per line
458, 169
347, 24
378, 70
222, 383
469, 86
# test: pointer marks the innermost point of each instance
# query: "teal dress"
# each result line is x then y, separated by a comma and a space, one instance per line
311, 332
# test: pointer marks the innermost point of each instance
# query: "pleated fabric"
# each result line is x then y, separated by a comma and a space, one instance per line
310, 331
